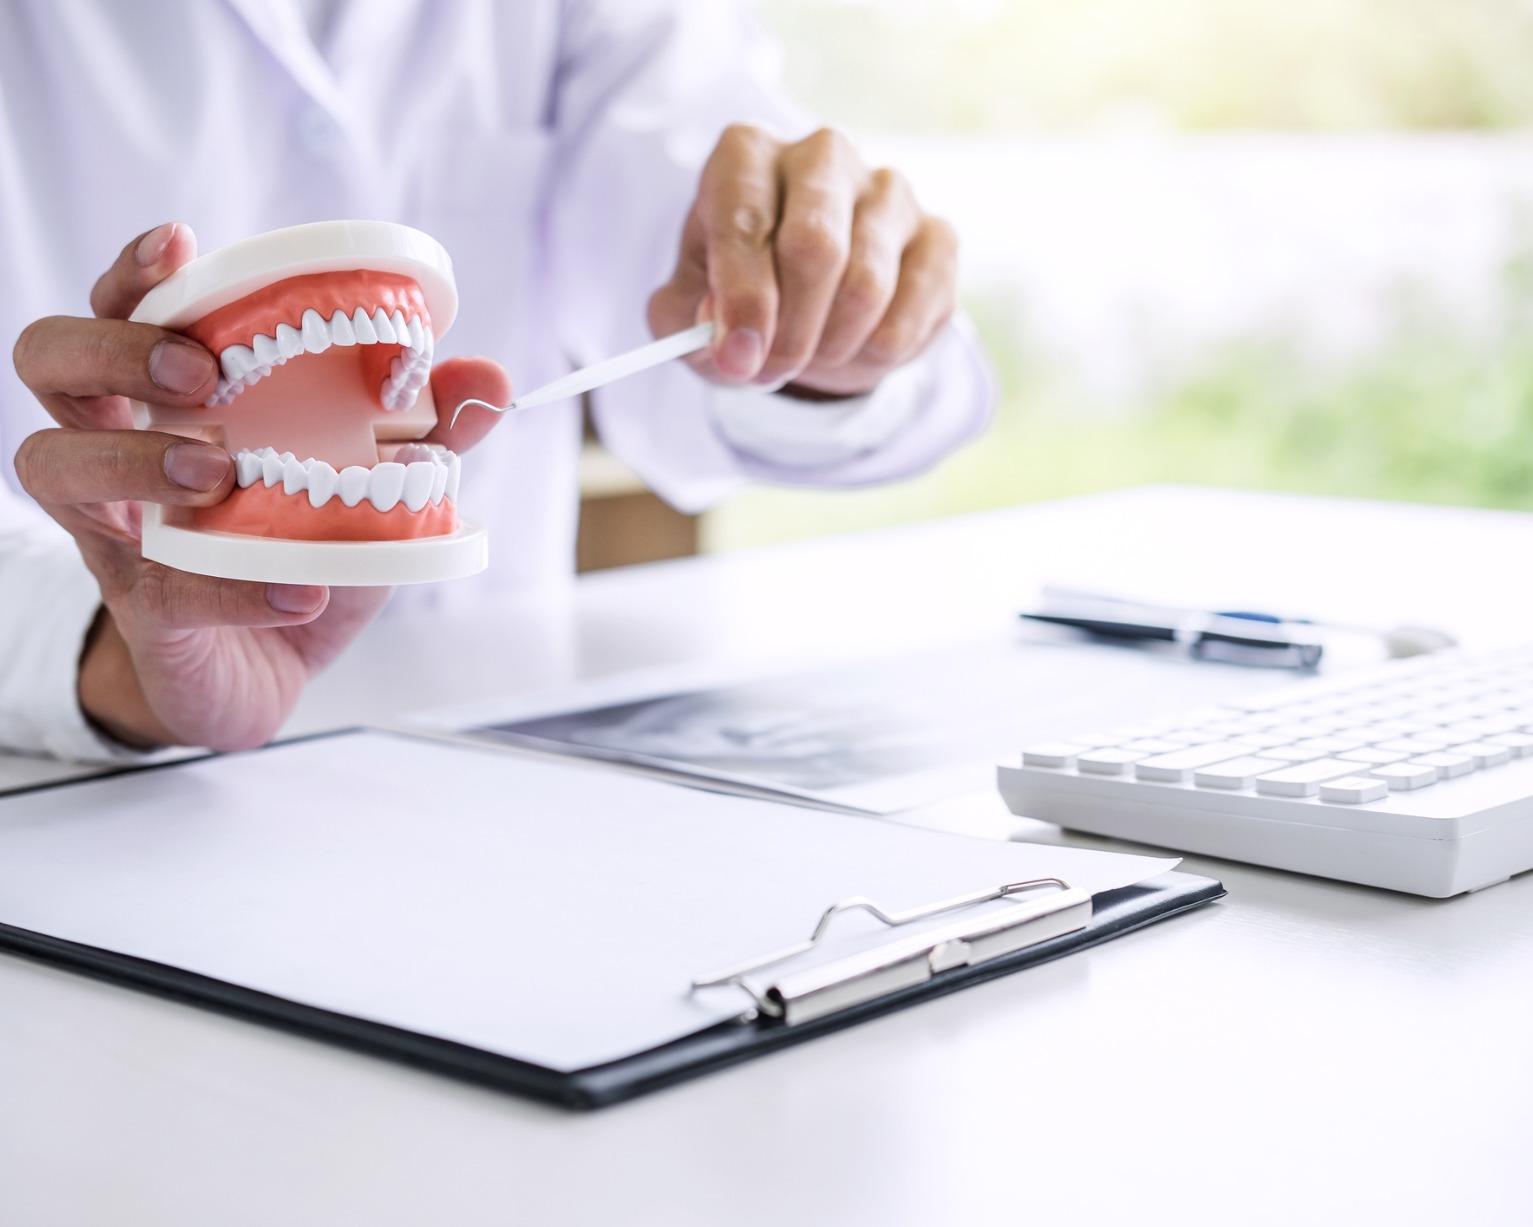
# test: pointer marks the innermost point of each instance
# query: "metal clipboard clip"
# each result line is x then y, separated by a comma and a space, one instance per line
802, 995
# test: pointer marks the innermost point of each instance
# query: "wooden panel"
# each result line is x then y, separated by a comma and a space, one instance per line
617, 530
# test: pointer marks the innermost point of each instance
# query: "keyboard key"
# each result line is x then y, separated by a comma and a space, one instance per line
1484, 754
1204, 734
1178, 766
1374, 755
1353, 790
1291, 732
1258, 741
1321, 725
1502, 724
1329, 745
1421, 744
1448, 765
1292, 754
1233, 728
1108, 762
1304, 779
1156, 745
1052, 754
1204, 715
1386, 711
1236, 774
1125, 733
1459, 713
1405, 776
1395, 728
1520, 744
1480, 724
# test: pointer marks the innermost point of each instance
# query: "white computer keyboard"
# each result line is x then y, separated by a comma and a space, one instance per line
1416, 776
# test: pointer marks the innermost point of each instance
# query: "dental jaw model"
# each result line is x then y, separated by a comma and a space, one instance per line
325, 334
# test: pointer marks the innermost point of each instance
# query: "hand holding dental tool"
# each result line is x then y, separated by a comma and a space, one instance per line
610, 370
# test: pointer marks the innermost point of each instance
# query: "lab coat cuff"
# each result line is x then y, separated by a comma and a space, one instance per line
42, 635
797, 434
916, 416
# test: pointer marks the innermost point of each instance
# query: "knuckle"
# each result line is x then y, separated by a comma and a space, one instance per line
176, 600
32, 462
154, 592
103, 348
891, 188
812, 240
28, 345
743, 138
866, 287
101, 295
749, 225
829, 145
230, 604
941, 234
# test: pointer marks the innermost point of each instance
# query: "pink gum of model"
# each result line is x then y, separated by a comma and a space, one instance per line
325, 335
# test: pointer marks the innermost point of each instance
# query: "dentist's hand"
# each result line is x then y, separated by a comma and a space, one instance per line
822, 272
175, 658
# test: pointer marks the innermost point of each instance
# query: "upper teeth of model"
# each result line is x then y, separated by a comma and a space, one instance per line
418, 474
243, 365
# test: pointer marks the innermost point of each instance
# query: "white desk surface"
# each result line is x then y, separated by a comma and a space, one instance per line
1304, 1051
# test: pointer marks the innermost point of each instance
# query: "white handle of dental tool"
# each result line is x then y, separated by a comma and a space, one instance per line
610, 370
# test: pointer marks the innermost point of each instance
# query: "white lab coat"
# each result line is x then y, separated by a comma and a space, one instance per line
551, 145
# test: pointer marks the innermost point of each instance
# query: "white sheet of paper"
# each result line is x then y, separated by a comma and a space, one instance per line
548, 911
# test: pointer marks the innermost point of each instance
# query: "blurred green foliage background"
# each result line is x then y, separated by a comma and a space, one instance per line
1029, 65
1435, 407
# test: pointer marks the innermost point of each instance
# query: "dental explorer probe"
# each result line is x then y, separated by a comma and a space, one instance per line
677, 345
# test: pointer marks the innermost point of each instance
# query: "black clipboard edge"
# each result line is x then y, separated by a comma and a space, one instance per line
1115, 913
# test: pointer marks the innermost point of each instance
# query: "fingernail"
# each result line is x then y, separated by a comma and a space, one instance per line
152, 246
741, 353
294, 598
179, 366
196, 466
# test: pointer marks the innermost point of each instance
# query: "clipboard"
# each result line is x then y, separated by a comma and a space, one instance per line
925, 951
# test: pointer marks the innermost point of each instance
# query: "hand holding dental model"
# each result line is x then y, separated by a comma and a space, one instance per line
183, 658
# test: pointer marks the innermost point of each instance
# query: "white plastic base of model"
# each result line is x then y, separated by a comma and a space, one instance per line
342, 564
1352, 844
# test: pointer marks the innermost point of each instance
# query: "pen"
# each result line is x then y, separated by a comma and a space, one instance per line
1208, 636
1403, 640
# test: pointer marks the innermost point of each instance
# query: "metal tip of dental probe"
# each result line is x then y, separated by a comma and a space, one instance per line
483, 404
677, 345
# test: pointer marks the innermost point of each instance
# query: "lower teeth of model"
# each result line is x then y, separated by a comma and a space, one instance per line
417, 476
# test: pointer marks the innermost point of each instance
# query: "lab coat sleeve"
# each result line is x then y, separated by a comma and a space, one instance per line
49, 602
644, 90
